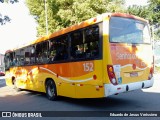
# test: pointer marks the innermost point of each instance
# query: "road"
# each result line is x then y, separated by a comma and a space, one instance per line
140, 100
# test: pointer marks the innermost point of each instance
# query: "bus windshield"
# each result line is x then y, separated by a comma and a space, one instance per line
125, 30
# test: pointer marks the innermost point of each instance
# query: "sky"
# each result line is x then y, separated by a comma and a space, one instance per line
22, 28
136, 2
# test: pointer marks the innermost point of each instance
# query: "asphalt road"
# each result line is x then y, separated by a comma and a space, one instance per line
140, 100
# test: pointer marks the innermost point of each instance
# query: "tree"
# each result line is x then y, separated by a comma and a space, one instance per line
150, 12
63, 13
11, 1
155, 5
6, 18
141, 11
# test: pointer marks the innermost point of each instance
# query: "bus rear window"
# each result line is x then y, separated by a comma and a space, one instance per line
125, 30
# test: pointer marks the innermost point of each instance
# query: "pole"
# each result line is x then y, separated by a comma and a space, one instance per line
45, 2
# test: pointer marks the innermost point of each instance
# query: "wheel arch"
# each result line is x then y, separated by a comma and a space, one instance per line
47, 79
13, 80
46, 87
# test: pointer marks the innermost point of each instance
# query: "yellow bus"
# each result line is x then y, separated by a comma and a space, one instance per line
105, 55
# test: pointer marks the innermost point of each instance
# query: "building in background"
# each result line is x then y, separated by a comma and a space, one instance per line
2, 62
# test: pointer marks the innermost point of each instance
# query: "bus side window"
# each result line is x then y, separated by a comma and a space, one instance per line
85, 43
59, 49
91, 35
17, 57
38, 53
12, 59
52, 51
45, 50
42, 53
32, 54
77, 47
6, 60
21, 57
27, 56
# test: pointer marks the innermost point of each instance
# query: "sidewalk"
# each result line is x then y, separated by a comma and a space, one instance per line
156, 76
155, 88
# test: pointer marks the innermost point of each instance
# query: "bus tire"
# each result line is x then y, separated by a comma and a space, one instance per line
51, 90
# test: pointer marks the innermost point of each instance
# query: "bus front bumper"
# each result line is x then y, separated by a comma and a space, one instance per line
111, 89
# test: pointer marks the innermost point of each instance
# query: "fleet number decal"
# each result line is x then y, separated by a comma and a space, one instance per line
88, 67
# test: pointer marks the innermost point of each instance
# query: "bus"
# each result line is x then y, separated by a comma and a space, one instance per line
102, 56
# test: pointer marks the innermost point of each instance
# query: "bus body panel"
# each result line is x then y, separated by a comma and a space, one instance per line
128, 52
111, 89
106, 51
132, 68
75, 79
85, 78
131, 62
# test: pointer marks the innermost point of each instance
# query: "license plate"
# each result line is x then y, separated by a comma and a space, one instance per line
133, 74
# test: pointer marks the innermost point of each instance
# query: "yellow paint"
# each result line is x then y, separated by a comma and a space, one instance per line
71, 79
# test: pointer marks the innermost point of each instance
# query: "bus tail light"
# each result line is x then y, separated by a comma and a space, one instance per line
111, 74
150, 73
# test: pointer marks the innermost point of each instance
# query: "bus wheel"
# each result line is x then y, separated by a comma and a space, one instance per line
51, 91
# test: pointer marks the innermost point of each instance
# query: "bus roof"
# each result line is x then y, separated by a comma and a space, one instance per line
85, 23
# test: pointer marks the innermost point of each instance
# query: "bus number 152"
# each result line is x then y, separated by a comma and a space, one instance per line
88, 67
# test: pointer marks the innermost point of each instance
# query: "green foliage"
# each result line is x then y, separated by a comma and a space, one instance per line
154, 14
5, 18
150, 12
157, 69
11, 1
157, 35
63, 13
141, 11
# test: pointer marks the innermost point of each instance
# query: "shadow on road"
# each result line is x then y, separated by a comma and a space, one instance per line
141, 100
29, 100
2, 85
2, 82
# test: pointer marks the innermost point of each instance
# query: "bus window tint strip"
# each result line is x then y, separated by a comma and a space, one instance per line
83, 44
